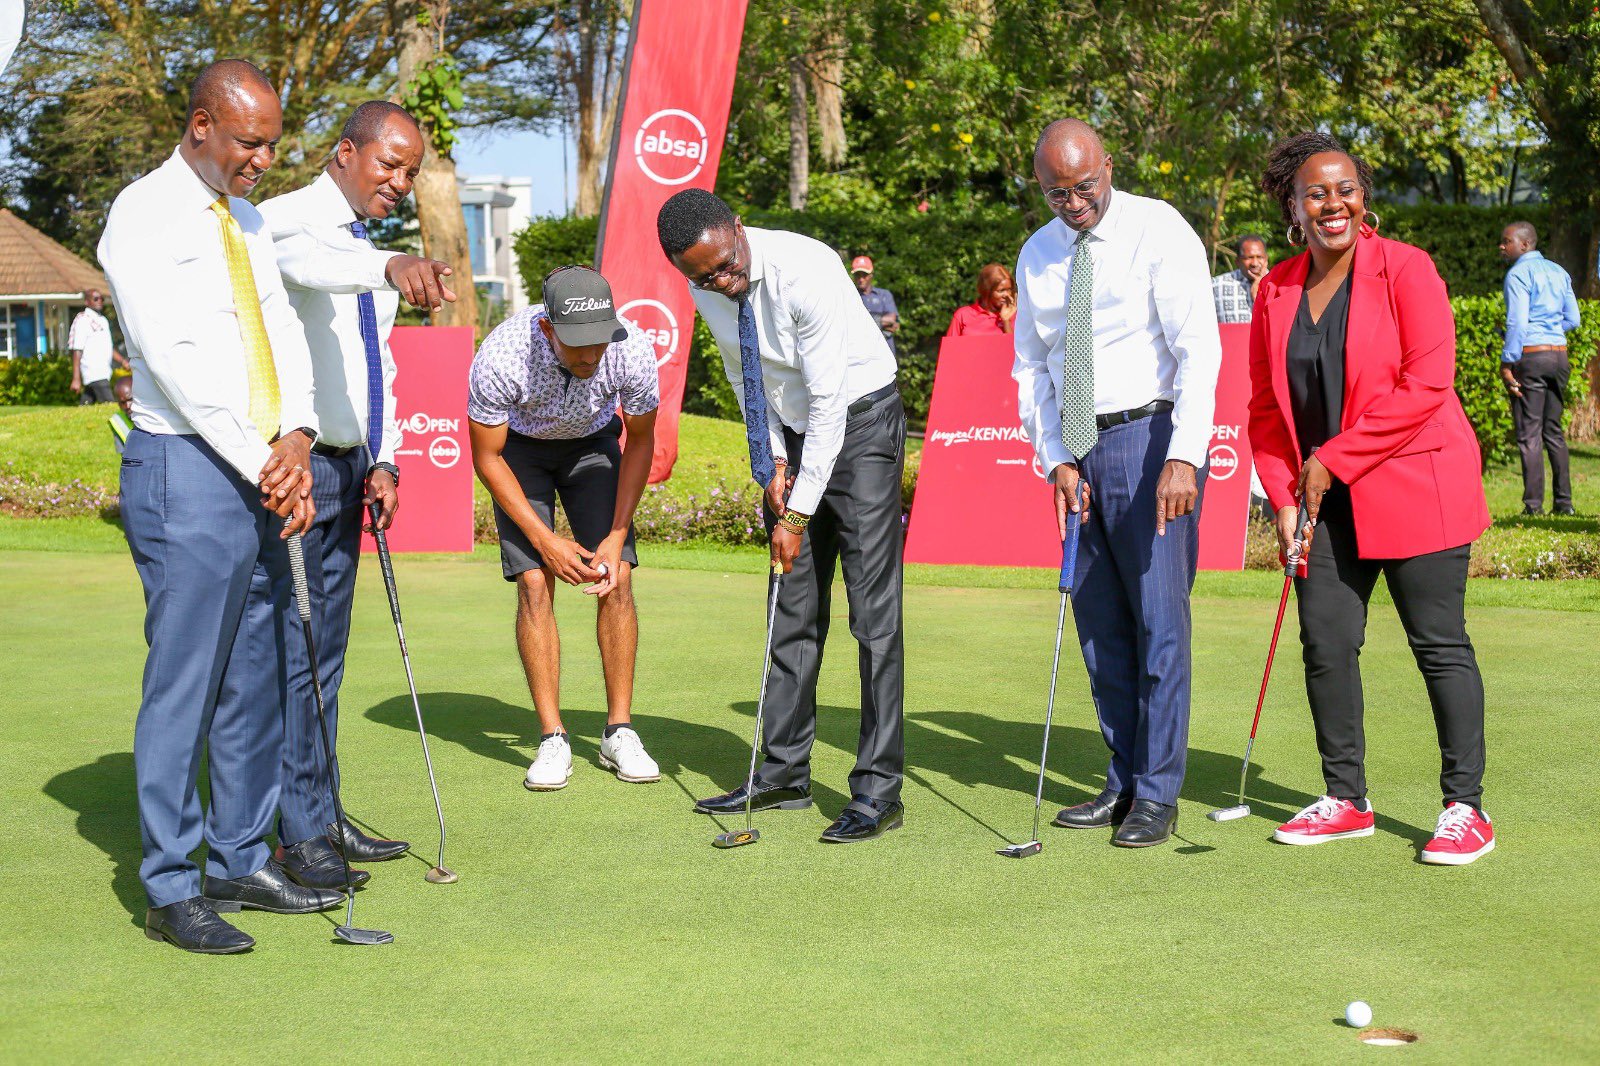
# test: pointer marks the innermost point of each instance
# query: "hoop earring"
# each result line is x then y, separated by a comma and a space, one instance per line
1296, 236
1373, 225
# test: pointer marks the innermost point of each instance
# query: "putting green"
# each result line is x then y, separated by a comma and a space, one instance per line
598, 923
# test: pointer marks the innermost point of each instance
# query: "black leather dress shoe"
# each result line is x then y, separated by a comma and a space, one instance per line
1108, 808
358, 847
1148, 823
863, 819
766, 799
268, 889
192, 925
314, 864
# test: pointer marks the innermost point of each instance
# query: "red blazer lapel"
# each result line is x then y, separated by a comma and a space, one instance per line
1369, 308
1280, 310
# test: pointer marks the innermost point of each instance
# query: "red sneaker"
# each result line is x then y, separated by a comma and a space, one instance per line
1461, 836
1327, 819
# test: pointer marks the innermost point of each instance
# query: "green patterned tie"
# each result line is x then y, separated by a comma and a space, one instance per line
1078, 430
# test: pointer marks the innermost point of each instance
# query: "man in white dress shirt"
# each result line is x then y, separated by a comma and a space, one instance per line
826, 435
89, 344
1116, 369
345, 292
219, 457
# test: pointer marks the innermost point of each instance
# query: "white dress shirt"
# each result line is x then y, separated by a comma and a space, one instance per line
324, 269
820, 349
163, 255
90, 336
1155, 326
11, 19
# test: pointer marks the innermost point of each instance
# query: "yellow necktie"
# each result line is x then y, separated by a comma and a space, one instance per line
265, 403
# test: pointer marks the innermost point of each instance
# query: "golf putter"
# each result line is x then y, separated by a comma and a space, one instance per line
1069, 566
440, 874
749, 834
1302, 525
302, 594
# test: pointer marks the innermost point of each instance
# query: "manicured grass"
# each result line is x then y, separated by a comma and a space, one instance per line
598, 924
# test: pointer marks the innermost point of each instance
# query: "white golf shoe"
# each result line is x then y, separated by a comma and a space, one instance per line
623, 752
552, 767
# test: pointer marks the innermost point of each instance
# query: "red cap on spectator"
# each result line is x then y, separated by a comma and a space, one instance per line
861, 265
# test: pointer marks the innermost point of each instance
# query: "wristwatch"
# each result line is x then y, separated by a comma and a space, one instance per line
393, 471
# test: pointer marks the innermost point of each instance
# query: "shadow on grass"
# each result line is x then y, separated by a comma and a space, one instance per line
1550, 523
102, 792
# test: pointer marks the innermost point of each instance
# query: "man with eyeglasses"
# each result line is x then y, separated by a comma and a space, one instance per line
1116, 369
826, 435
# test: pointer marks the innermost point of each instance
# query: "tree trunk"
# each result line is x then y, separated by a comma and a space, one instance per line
1214, 237
444, 229
590, 64
799, 137
827, 89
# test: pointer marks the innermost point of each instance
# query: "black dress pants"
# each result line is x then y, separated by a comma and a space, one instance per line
856, 524
1429, 592
1542, 377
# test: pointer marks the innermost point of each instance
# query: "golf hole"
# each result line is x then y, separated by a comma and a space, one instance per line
1387, 1037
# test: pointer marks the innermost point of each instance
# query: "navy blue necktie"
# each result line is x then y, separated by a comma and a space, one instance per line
756, 431
368, 313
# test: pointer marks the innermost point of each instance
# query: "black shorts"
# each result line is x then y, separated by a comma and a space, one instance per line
583, 471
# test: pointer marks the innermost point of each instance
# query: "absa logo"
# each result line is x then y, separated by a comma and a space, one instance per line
1223, 462
444, 452
670, 146
656, 321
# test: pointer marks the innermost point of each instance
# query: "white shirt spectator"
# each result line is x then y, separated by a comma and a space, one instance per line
163, 255
90, 336
1155, 328
820, 348
325, 267
517, 381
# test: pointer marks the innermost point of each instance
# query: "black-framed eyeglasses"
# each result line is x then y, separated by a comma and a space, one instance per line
709, 281
1083, 190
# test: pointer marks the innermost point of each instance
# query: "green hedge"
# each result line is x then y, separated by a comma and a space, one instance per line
930, 262
34, 382
1480, 331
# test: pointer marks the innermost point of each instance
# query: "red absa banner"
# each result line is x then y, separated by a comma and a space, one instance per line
434, 457
980, 496
676, 91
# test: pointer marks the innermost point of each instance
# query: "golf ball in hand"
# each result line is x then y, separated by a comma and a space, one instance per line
604, 569
1358, 1014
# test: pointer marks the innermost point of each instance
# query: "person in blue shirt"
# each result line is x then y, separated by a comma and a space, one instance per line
1540, 308
879, 302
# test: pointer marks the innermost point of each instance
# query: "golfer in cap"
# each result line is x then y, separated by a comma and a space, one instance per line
543, 401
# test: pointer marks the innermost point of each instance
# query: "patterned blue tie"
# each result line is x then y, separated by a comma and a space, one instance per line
369, 339
756, 432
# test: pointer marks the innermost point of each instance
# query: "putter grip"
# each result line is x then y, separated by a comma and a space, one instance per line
386, 563
1069, 547
1292, 563
297, 571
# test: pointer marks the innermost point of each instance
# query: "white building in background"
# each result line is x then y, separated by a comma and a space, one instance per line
496, 209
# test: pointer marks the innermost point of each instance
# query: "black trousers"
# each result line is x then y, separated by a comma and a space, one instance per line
1537, 414
1429, 592
856, 524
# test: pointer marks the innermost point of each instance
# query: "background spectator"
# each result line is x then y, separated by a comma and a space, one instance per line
993, 311
1235, 291
879, 302
89, 342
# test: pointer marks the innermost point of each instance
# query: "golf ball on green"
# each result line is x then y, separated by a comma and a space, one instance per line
1358, 1014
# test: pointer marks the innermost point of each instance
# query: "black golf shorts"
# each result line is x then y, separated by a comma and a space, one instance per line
583, 472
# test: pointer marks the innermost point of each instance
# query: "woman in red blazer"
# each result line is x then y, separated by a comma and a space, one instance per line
1353, 411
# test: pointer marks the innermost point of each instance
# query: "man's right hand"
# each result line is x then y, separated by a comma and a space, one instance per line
568, 560
285, 482
420, 281
1507, 374
1065, 479
777, 491
77, 384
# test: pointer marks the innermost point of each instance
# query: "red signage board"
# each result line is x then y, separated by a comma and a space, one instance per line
676, 91
981, 499
435, 459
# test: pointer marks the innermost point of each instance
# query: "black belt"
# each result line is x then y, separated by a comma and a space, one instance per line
866, 402
332, 452
1117, 418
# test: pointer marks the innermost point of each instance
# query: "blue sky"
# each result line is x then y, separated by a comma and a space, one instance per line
521, 155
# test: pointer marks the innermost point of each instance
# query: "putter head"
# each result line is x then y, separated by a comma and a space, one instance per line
351, 935
1228, 814
1021, 851
440, 875
736, 838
